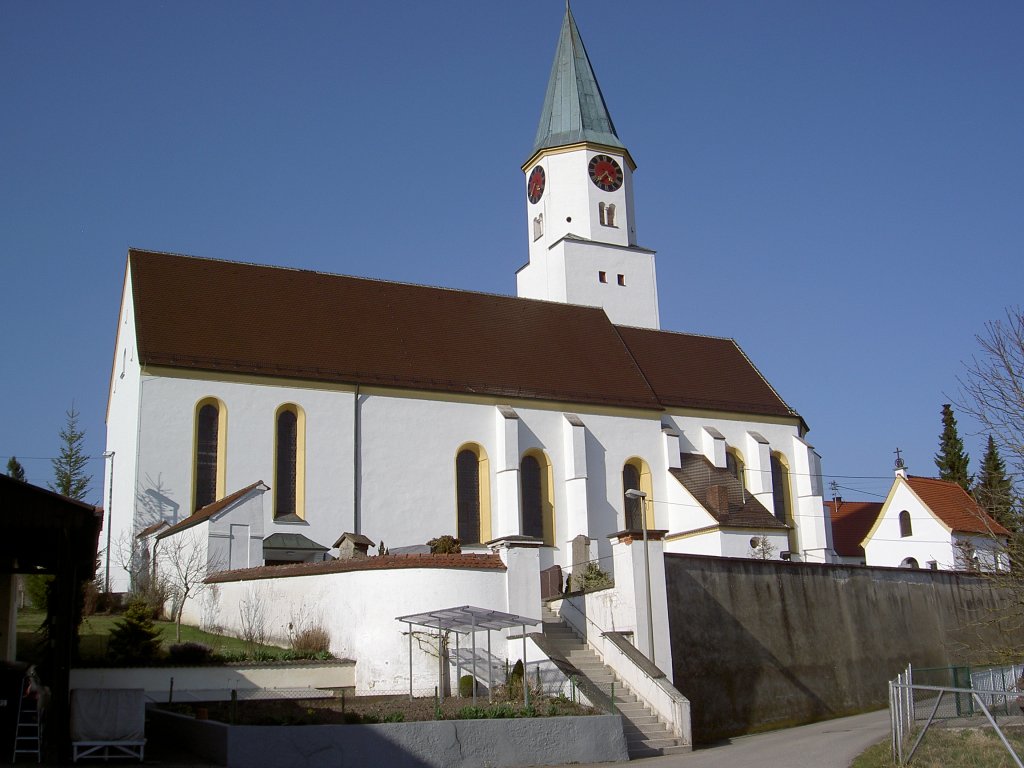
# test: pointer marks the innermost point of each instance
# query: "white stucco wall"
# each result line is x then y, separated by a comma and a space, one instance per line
122, 420
931, 540
358, 608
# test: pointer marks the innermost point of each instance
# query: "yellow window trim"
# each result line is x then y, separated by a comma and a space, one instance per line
222, 445
483, 483
300, 457
646, 485
547, 495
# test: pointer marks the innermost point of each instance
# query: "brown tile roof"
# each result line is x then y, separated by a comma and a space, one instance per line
205, 513
232, 317
702, 372
151, 529
851, 523
699, 476
954, 506
387, 562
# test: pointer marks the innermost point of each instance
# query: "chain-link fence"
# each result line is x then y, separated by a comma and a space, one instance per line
915, 706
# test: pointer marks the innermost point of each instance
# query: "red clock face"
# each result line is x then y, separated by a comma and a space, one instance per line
605, 172
535, 184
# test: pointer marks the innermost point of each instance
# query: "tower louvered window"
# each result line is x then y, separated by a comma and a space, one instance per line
207, 430
467, 474
286, 475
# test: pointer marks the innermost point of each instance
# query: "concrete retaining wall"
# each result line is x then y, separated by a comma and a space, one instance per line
764, 644
435, 744
217, 682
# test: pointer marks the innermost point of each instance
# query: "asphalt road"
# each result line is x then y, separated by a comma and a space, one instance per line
829, 744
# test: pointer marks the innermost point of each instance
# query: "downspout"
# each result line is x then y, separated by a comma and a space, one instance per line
356, 521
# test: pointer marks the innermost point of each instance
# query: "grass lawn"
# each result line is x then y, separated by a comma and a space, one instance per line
96, 628
947, 748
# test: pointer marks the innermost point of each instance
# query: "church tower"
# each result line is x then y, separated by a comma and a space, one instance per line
579, 189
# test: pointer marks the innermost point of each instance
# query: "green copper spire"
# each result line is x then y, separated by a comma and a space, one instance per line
574, 109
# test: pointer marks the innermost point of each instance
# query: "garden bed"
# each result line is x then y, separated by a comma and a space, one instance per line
347, 710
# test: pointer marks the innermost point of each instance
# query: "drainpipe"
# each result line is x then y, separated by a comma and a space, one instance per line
356, 521
110, 520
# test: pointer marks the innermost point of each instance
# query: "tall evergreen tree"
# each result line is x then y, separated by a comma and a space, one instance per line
951, 459
994, 490
14, 468
69, 477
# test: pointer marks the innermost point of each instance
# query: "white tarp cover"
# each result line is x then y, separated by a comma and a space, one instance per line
117, 714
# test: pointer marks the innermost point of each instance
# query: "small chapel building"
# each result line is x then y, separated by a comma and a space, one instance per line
282, 408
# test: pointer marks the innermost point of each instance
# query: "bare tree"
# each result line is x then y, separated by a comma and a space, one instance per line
184, 566
992, 385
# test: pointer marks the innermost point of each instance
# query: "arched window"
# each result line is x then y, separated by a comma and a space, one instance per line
538, 226
609, 215
906, 529
536, 494
208, 455
734, 465
289, 463
637, 475
909, 562
782, 497
472, 495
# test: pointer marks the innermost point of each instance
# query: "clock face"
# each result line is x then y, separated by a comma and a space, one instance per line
605, 172
535, 184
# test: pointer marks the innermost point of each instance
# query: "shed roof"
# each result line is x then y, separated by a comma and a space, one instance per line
466, 618
205, 513
292, 541
698, 476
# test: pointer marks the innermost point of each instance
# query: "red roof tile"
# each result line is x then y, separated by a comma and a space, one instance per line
954, 506
381, 563
243, 318
205, 513
851, 523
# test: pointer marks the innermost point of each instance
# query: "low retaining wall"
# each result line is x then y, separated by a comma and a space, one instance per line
434, 744
216, 682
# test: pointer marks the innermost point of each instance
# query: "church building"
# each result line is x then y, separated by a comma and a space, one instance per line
291, 407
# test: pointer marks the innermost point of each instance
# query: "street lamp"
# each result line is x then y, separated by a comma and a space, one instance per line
632, 493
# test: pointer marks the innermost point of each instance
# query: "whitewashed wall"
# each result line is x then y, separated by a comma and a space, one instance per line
119, 500
931, 540
359, 608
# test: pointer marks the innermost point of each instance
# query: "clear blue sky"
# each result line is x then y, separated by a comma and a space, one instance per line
837, 185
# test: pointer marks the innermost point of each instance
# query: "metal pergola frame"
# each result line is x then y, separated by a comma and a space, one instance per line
463, 620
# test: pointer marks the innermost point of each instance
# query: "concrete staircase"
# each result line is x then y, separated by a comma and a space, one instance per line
646, 735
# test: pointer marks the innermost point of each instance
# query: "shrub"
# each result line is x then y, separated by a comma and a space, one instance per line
189, 653
314, 639
444, 545
466, 686
590, 578
134, 639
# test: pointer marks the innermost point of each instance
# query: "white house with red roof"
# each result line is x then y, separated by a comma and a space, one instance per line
929, 523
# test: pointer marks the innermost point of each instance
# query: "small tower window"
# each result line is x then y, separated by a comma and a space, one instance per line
606, 214
602, 276
538, 226
622, 279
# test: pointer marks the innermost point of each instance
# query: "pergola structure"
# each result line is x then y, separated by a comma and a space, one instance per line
44, 532
467, 620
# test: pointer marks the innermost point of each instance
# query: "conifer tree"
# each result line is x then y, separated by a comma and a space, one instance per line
951, 459
994, 490
69, 477
14, 468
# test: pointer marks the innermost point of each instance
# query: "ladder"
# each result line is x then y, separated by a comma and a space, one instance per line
26, 732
